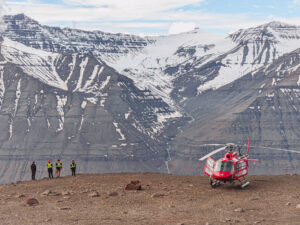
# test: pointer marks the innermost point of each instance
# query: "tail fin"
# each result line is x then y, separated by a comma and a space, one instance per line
248, 146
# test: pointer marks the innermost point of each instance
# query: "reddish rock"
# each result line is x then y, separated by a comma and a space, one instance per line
134, 185
31, 202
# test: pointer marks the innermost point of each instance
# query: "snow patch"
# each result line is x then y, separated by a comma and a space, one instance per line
164, 117
82, 66
83, 104
36, 63
61, 102
127, 114
103, 85
2, 86
18, 95
48, 123
119, 131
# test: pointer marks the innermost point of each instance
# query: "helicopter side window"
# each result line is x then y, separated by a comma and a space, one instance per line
224, 167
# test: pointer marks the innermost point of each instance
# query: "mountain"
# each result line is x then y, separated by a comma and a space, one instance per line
117, 102
74, 106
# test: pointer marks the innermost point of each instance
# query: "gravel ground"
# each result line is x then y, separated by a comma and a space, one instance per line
164, 199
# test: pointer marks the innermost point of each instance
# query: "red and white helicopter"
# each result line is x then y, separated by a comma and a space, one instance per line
233, 167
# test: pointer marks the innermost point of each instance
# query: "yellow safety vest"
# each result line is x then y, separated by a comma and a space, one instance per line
58, 164
49, 165
73, 165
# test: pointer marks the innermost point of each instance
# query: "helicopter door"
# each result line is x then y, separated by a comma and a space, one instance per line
209, 166
241, 168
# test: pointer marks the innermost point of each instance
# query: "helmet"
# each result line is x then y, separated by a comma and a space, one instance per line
49, 161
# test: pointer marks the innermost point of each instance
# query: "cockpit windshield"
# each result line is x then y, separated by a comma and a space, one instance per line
224, 167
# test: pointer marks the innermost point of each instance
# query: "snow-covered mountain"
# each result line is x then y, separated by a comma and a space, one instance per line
135, 103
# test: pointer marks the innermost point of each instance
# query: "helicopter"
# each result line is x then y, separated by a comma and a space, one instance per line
233, 167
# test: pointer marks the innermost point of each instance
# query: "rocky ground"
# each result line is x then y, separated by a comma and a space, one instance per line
164, 199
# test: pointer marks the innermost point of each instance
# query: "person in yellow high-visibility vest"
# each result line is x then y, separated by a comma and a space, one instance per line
58, 168
50, 170
73, 168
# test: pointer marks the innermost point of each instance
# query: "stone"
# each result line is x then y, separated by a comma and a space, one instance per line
134, 185
20, 196
31, 202
288, 204
94, 194
64, 193
254, 199
298, 206
157, 195
45, 193
49, 193
53, 194
65, 208
239, 210
113, 193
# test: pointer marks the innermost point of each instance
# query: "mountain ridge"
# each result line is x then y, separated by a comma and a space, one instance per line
144, 104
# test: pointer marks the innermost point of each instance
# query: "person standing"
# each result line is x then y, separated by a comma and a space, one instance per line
73, 168
58, 168
33, 170
50, 169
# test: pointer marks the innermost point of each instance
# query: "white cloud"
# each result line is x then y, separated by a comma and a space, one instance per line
180, 27
134, 16
297, 1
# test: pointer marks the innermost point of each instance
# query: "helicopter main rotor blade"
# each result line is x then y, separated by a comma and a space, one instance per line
276, 149
212, 153
211, 145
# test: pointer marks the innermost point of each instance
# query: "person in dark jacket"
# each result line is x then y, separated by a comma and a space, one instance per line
73, 168
33, 170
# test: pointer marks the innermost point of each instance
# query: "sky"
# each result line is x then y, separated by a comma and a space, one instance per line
156, 17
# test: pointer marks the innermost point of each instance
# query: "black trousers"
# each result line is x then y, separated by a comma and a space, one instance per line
33, 174
50, 172
73, 171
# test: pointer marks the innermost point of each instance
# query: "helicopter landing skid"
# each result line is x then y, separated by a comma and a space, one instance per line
214, 183
244, 183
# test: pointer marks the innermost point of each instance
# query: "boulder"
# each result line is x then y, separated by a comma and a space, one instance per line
31, 202
134, 185
298, 206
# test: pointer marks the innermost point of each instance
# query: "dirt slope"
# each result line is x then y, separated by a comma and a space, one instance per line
165, 199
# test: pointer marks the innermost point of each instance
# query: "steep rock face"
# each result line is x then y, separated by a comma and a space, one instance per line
73, 106
116, 102
263, 106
